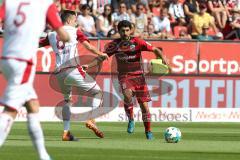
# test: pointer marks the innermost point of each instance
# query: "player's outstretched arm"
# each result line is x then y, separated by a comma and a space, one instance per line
159, 54
94, 50
95, 62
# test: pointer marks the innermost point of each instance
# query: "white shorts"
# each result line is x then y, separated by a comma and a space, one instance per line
19, 89
77, 81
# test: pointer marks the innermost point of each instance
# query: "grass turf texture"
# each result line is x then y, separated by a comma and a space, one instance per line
200, 141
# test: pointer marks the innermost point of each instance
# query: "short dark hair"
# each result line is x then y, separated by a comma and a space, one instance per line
124, 23
66, 14
85, 6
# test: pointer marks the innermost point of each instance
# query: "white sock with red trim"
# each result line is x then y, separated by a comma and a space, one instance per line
36, 133
6, 122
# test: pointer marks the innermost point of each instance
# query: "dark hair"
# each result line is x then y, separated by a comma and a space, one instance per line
109, 17
140, 4
124, 23
66, 14
85, 6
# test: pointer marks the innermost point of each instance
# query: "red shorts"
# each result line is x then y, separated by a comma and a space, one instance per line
137, 84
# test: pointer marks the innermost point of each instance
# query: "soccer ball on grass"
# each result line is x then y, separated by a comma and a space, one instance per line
172, 135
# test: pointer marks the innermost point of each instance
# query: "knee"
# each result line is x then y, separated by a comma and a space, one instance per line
96, 91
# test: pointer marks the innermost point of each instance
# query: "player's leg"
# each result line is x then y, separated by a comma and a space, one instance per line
143, 98
146, 117
66, 106
6, 120
35, 130
96, 95
13, 97
86, 85
128, 107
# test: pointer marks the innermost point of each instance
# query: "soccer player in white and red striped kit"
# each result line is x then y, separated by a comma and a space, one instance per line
69, 73
24, 22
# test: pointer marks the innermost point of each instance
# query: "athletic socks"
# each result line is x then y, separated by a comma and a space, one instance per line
146, 117
36, 134
129, 110
6, 122
66, 115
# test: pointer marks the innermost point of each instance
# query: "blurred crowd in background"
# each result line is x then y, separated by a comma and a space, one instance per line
158, 19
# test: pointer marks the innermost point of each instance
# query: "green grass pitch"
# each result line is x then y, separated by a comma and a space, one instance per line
200, 141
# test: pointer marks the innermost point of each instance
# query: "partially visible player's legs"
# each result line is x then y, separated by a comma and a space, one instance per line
128, 107
66, 115
96, 94
86, 85
6, 120
66, 105
35, 130
146, 117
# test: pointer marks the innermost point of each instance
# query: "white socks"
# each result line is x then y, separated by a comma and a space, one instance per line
97, 100
6, 122
35, 131
66, 115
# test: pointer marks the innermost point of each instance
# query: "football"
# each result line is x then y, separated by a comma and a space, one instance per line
172, 135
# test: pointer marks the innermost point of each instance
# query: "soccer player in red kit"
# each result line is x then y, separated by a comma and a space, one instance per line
127, 51
24, 22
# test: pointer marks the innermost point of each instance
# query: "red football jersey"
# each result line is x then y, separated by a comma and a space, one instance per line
128, 54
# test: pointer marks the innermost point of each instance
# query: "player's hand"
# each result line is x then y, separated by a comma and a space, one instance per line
166, 62
85, 67
103, 56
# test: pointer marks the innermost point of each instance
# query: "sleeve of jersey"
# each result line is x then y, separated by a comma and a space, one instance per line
81, 37
53, 17
145, 46
2, 11
110, 48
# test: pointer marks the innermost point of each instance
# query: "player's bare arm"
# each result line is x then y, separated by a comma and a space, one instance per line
95, 62
159, 54
94, 50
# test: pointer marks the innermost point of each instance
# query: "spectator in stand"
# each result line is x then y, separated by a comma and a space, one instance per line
202, 1
93, 7
133, 6
117, 3
145, 3
70, 5
104, 22
122, 14
139, 19
218, 11
190, 7
176, 13
86, 22
204, 36
231, 6
183, 35
156, 5
200, 19
162, 23
235, 24
150, 32
101, 5
113, 33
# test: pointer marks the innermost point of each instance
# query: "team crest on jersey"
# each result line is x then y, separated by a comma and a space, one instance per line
132, 47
